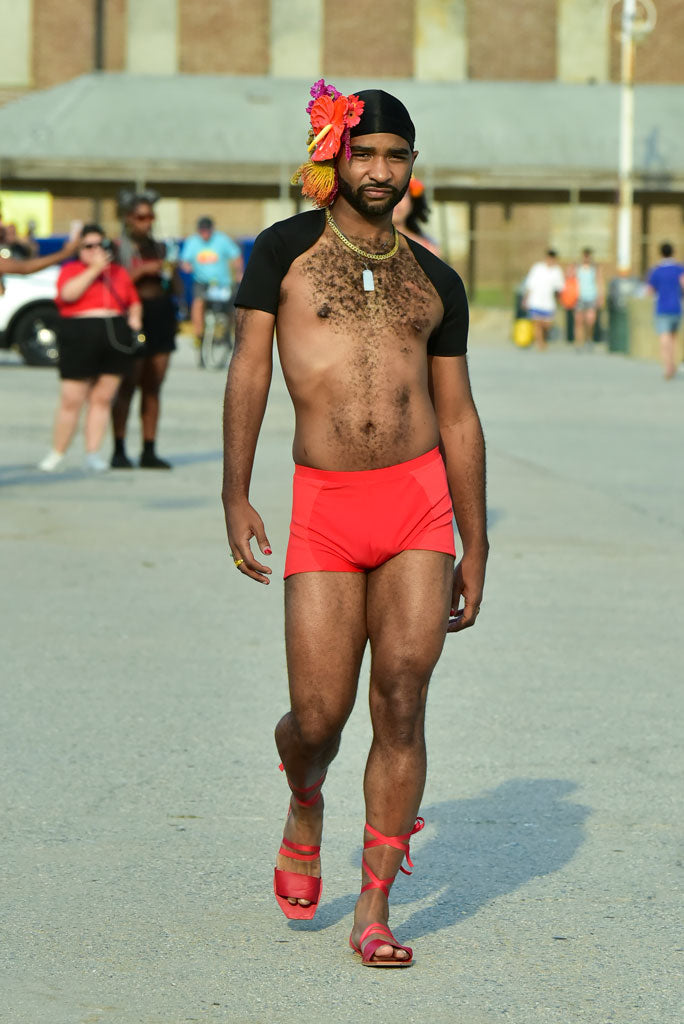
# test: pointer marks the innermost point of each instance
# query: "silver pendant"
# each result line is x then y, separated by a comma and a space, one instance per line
368, 281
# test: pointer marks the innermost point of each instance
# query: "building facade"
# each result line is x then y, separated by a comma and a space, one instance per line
46, 42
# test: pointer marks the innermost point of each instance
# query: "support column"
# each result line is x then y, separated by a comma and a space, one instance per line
440, 40
297, 38
152, 37
583, 41
15, 42
472, 250
645, 237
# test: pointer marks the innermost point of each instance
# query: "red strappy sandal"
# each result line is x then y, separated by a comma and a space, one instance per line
290, 885
367, 946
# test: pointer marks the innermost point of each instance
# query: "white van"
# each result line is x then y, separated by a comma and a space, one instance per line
28, 316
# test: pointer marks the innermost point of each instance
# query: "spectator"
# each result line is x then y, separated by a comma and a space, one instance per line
589, 298
155, 280
666, 280
543, 284
412, 211
99, 308
214, 260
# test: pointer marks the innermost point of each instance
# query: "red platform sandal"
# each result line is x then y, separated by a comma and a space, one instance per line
383, 936
288, 884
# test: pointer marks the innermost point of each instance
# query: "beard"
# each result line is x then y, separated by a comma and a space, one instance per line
370, 207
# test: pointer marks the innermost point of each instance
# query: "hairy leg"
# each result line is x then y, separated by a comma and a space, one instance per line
72, 396
100, 400
409, 599
325, 636
153, 373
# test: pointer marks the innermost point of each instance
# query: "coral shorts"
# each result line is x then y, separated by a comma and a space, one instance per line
354, 521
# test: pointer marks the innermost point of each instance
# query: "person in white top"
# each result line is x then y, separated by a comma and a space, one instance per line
542, 285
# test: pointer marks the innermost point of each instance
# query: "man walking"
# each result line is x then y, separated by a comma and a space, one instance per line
666, 281
371, 332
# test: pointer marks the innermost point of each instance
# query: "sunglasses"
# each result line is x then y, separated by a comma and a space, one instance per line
92, 245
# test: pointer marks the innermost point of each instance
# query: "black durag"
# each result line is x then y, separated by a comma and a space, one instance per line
384, 113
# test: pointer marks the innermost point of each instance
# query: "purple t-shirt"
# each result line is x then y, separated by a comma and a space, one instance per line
664, 280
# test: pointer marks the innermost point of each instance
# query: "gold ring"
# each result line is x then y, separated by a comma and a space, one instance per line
238, 562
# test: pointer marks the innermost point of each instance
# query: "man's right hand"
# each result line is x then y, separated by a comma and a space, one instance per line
242, 523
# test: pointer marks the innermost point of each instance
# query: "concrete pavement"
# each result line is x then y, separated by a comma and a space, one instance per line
142, 677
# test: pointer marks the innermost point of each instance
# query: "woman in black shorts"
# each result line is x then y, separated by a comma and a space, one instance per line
144, 258
100, 312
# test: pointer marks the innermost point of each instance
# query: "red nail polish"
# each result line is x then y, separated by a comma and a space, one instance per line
267, 551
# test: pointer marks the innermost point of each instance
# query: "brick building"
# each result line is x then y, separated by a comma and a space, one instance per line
47, 42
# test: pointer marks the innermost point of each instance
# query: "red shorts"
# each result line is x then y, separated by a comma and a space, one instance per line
354, 521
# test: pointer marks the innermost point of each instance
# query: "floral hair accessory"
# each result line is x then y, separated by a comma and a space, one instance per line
332, 115
416, 187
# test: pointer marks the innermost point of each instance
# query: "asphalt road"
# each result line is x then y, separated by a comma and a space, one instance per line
141, 802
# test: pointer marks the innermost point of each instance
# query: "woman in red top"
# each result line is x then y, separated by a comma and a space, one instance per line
100, 308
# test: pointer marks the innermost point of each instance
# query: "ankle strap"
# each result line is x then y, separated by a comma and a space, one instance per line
307, 789
399, 843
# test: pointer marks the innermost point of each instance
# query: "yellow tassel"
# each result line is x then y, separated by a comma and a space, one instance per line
318, 181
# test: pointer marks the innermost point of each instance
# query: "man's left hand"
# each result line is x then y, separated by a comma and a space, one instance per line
469, 577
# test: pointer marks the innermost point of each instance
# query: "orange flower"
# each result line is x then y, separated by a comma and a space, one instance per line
328, 116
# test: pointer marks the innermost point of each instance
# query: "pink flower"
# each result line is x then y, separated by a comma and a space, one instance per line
320, 88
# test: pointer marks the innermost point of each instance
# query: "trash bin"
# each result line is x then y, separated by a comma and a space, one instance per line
620, 290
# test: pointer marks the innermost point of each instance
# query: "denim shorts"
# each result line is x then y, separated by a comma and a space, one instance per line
667, 323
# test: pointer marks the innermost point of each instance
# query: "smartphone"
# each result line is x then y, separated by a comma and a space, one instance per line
455, 618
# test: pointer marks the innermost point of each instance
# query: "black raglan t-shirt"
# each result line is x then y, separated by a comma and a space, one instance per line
278, 246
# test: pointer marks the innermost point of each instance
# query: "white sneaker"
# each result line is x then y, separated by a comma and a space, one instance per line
51, 461
94, 463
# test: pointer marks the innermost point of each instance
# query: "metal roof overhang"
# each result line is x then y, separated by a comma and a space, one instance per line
513, 141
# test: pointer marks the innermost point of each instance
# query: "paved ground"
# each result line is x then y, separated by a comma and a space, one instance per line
141, 803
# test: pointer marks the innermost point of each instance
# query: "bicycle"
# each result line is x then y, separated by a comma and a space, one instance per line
218, 338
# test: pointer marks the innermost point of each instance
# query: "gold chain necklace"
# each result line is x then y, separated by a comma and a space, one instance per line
368, 279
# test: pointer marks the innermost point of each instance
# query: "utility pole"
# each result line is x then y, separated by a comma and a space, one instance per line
626, 164
631, 31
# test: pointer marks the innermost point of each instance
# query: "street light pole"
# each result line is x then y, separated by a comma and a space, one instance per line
626, 164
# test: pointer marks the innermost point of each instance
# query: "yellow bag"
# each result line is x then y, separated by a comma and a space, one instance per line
522, 332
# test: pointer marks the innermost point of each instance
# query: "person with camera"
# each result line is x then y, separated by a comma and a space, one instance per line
100, 316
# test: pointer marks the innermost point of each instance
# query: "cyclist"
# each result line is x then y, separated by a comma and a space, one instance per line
215, 262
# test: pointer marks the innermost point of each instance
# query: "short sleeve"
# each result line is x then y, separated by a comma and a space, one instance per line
260, 285
232, 249
451, 337
188, 251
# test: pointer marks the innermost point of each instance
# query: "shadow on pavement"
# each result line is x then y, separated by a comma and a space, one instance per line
483, 848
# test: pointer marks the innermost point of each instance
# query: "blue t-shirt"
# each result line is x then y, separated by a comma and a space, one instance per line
664, 280
209, 259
